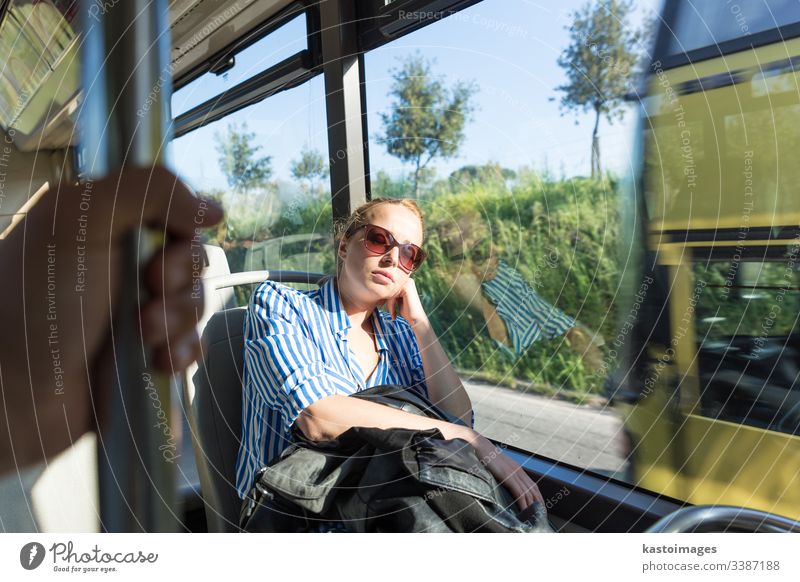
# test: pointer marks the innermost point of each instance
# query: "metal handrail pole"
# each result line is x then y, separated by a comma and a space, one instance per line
125, 121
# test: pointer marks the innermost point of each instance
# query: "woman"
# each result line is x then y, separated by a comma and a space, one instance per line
305, 352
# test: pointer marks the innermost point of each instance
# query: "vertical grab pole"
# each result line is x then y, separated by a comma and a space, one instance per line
125, 121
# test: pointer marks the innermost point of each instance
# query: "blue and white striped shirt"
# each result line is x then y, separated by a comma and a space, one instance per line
296, 353
527, 316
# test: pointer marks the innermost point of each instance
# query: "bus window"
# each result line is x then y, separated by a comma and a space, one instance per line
286, 41
267, 164
522, 270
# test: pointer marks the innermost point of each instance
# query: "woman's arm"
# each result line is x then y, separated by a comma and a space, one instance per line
444, 386
329, 417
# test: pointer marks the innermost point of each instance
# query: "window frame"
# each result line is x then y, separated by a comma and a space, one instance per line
287, 74
380, 23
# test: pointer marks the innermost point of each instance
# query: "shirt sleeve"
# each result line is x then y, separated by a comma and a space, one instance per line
285, 364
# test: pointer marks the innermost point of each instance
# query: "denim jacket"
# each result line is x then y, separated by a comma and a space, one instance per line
384, 480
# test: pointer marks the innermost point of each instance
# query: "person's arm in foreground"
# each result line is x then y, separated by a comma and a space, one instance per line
55, 333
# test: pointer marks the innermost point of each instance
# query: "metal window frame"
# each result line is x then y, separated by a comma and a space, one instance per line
346, 107
266, 28
290, 72
381, 23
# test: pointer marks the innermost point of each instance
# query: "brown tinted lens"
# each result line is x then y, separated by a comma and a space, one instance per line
377, 239
408, 256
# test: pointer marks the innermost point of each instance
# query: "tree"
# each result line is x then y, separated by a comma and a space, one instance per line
598, 63
426, 119
311, 168
491, 173
245, 171
383, 185
238, 159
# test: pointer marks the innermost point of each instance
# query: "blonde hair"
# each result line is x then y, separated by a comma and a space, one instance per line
343, 229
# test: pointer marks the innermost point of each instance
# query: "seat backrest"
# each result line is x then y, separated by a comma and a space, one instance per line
213, 393
217, 408
212, 401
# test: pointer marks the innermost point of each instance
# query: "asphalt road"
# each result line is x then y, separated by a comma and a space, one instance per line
584, 436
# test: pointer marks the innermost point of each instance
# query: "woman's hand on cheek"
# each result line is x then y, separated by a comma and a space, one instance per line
408, 304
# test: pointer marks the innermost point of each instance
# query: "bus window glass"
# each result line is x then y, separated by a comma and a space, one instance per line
762, 143
747, 335
523, 269
268, 166
710, 22
282, 43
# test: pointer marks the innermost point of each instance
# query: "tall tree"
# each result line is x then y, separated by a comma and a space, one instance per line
426, 119
239, 160
310, 168
599, 63
246, 172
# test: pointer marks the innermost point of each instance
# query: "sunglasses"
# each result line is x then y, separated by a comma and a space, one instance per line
380, 241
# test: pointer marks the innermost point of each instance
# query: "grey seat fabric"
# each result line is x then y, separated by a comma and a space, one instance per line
218, 409
213, 396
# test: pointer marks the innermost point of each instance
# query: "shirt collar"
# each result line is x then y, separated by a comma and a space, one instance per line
380, 331
332, 303
340, 321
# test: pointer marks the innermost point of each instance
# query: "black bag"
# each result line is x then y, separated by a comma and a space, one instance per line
376, 480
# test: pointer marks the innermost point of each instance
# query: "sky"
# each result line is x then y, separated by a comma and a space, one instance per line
509, 48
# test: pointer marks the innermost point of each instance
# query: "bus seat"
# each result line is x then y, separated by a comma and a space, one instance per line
217, 408
214, 401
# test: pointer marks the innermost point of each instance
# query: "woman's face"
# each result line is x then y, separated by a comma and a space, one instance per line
373, 278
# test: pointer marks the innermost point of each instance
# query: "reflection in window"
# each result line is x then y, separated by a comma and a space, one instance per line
522, 270
708, 23
747, 331
33, 37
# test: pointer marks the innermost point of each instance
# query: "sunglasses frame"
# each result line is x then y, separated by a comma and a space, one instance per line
393, 242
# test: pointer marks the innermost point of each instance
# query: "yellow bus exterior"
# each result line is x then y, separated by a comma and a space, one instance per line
720, 178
